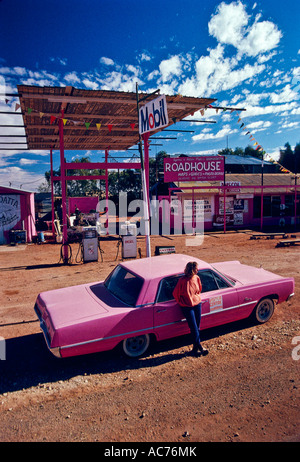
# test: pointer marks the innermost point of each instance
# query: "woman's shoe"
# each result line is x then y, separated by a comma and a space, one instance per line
202, 351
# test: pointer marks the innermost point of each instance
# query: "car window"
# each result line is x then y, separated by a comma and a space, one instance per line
211, 281
166, 287
221, 283
207, 280
124, 285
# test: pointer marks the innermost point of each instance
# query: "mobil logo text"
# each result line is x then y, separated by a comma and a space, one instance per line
153, 115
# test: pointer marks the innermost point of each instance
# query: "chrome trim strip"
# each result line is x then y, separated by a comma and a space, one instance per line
103, 338
148, 328
229, 309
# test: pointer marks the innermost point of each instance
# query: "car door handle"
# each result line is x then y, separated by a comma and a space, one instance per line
160, 311
247, 299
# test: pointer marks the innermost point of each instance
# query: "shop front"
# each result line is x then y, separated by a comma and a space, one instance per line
17, 216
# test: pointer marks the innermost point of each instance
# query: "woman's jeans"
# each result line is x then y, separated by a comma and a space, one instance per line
193, 316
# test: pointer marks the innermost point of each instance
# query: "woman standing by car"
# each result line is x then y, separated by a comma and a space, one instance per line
187, 294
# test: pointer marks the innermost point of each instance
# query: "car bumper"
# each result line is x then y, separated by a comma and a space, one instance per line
55, 351
290, 296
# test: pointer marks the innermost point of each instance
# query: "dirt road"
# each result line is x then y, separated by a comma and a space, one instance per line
246, 389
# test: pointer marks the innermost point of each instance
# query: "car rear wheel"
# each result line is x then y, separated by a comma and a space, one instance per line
264, 310
136, 346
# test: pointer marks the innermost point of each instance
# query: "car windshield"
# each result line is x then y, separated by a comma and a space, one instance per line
124, 285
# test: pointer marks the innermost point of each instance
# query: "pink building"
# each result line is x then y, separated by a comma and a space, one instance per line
17, 215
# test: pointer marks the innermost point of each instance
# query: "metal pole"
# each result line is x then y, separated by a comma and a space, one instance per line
63, 190
52, 192
106, 189
262, 194
224, 198
144, 181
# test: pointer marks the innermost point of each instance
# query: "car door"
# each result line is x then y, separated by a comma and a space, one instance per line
219, 299
168, 320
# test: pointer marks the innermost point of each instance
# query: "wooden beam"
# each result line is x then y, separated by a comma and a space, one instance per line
101, 165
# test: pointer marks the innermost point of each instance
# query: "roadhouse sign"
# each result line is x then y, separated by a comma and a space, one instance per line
204, 168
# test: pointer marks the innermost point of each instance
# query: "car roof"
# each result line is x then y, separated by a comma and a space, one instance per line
161, 265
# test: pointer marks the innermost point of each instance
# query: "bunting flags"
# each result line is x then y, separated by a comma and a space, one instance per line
259, 148
74, 122
132, 125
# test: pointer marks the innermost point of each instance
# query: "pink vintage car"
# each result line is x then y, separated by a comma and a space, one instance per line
135, 304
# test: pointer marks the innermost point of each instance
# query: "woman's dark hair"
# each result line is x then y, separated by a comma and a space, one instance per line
191, 269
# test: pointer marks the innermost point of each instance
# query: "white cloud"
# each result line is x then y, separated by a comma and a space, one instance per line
259, 126
271, 109
262, 37
107, 61
170, 67
72, 78
231, 26
292, 125
144, 57
215, 73
226, 130
20, 178
285, 95
118, 81
90, 84
25, 161
228, 24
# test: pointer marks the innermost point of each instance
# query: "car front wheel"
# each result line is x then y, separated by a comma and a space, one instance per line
136, 346
264, 310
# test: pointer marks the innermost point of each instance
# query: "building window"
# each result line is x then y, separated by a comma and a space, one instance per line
289, 201
275, 206
271, 206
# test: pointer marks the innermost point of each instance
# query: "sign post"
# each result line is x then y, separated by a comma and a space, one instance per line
152, 116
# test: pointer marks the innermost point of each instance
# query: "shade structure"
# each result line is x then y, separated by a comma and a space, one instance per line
93, 119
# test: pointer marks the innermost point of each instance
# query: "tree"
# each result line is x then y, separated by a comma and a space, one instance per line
128, 181
76, 188
288, 158
297, 158
156, 166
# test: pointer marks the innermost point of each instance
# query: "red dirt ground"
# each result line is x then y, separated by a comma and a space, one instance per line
246, 389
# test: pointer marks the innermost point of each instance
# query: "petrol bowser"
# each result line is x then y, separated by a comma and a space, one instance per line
90, 243
129, 242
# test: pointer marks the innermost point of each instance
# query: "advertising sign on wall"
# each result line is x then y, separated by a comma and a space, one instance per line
204, 168
10, 213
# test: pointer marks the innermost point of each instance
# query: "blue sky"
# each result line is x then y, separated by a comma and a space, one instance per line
244, 53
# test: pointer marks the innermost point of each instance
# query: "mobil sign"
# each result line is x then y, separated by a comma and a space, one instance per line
204, 168
153, 115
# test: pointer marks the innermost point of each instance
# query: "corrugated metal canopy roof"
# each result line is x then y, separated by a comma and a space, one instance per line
273, 182
115, 111
233, 159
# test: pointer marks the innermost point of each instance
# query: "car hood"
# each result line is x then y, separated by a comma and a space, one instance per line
73, 304
245, 274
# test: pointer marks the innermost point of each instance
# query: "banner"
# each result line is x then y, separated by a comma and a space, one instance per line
204, 168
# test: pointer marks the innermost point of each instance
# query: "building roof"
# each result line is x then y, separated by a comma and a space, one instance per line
273, 183
85, 110
232, 159
9, 190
